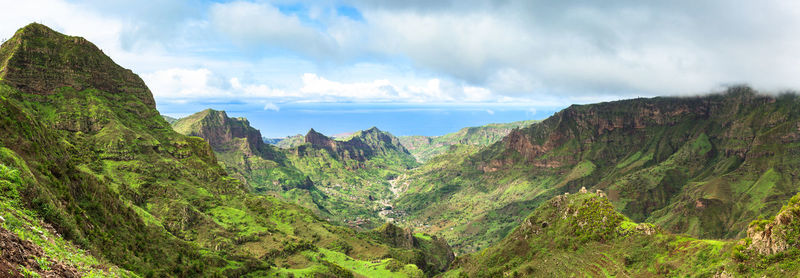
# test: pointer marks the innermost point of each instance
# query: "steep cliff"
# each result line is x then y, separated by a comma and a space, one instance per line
699, 165
240, 149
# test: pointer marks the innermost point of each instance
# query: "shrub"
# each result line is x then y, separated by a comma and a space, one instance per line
394, 265
341, 246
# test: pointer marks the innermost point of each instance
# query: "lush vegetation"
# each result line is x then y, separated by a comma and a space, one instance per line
424, 147
582, 235
87, 153
346, 180
355, 174
95, 182
705, 166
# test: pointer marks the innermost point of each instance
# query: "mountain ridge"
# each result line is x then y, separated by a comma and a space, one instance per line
687, 164
361, 145
79, 64
426, 147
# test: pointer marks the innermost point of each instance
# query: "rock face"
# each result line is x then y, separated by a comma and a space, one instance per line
690, 164
38, 60
222, 132
242, 151
778, 235
361, 146
321, 141
597, 123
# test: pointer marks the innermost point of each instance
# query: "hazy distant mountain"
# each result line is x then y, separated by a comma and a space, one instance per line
272, 141
426, 147
170, 120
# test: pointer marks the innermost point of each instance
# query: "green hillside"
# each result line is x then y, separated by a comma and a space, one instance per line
241, 151
582, 235
356, 174
425, 147
346, 180
170, 120
291, 142
705, 166
95, 182
86, 152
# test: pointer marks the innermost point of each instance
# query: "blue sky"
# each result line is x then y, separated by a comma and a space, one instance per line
426, 67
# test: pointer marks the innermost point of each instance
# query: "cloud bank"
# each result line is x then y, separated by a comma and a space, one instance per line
514, 51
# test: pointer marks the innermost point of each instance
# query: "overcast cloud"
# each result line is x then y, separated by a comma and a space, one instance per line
456, 52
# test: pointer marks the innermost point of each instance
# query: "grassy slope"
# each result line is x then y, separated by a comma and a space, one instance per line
424, 147
109, 174
291, 142
582, 235
345, 184
50, 253
704, 166
169, 119
261, 166
355, 177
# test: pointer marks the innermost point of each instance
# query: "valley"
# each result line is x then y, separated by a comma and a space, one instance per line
95, 182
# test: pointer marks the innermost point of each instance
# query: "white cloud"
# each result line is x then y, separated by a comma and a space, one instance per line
383, 90
263, 24
196, 84
490, 111
569, 49
271, 106
181, 85
435, 51
64, 17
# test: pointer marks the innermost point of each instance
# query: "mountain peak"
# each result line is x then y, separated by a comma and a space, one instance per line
222, 132
39, 60
319, 140
37, 28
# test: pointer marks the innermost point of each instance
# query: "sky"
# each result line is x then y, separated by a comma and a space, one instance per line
426, 67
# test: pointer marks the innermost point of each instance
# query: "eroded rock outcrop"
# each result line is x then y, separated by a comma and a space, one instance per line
778, 235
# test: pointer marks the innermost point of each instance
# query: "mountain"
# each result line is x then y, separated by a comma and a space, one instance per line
170, 120
426, 147
241, 150
291, 141
272, 141
705, 166
95, 182
360, 146
346, 181
356, 174
582, 235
